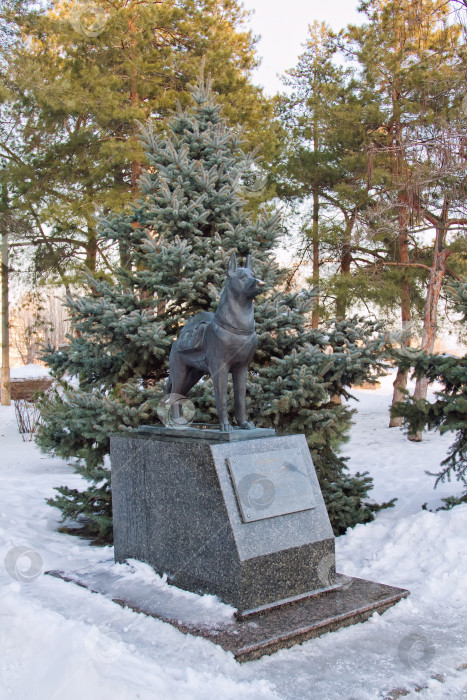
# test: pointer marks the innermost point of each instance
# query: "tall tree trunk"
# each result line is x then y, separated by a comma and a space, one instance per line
398, 166
435, 282
315, 230
125, 260
400, 382
91, 249
134, 99
123, 252
5, 378
315, 244
346, 261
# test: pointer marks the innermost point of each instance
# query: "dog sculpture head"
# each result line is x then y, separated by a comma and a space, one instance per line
242, 280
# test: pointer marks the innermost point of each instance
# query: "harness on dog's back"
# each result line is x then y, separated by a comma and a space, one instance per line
191, 336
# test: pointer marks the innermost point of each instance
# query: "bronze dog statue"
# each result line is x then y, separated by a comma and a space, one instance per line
218, 344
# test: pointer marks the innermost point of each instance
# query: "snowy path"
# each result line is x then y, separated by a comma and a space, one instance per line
60, 641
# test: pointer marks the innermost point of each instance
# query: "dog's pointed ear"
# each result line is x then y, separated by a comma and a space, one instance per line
232, 264
249, 264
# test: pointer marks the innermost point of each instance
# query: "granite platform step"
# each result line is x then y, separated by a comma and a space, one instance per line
206, 431
270, 629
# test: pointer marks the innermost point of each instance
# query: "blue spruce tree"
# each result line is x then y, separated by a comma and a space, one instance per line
448, 413
177, 239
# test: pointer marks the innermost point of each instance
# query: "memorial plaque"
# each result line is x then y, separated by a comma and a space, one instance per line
271, 483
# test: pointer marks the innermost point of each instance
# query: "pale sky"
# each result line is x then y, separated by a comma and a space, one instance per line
283, 26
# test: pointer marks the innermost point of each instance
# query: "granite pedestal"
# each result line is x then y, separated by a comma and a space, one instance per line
237, 515
242, 519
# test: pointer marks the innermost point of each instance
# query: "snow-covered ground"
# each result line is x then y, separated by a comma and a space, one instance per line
58, 640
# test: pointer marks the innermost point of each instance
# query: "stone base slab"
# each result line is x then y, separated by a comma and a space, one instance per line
267, 631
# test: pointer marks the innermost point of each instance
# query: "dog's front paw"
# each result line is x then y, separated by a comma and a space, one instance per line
226, 427
247, 425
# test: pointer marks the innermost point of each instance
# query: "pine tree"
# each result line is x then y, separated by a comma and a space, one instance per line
449, 411
412, 57
75, 93
324, 167
179, 235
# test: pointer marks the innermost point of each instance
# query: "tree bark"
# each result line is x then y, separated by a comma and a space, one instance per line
400, 382
315, 229
91, 249
125, 260
136, 166
346, 261
123, 251
315, 243
435, 282
5, 378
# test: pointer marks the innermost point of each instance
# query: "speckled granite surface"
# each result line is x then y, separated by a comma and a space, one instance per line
354, 601
180, 505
